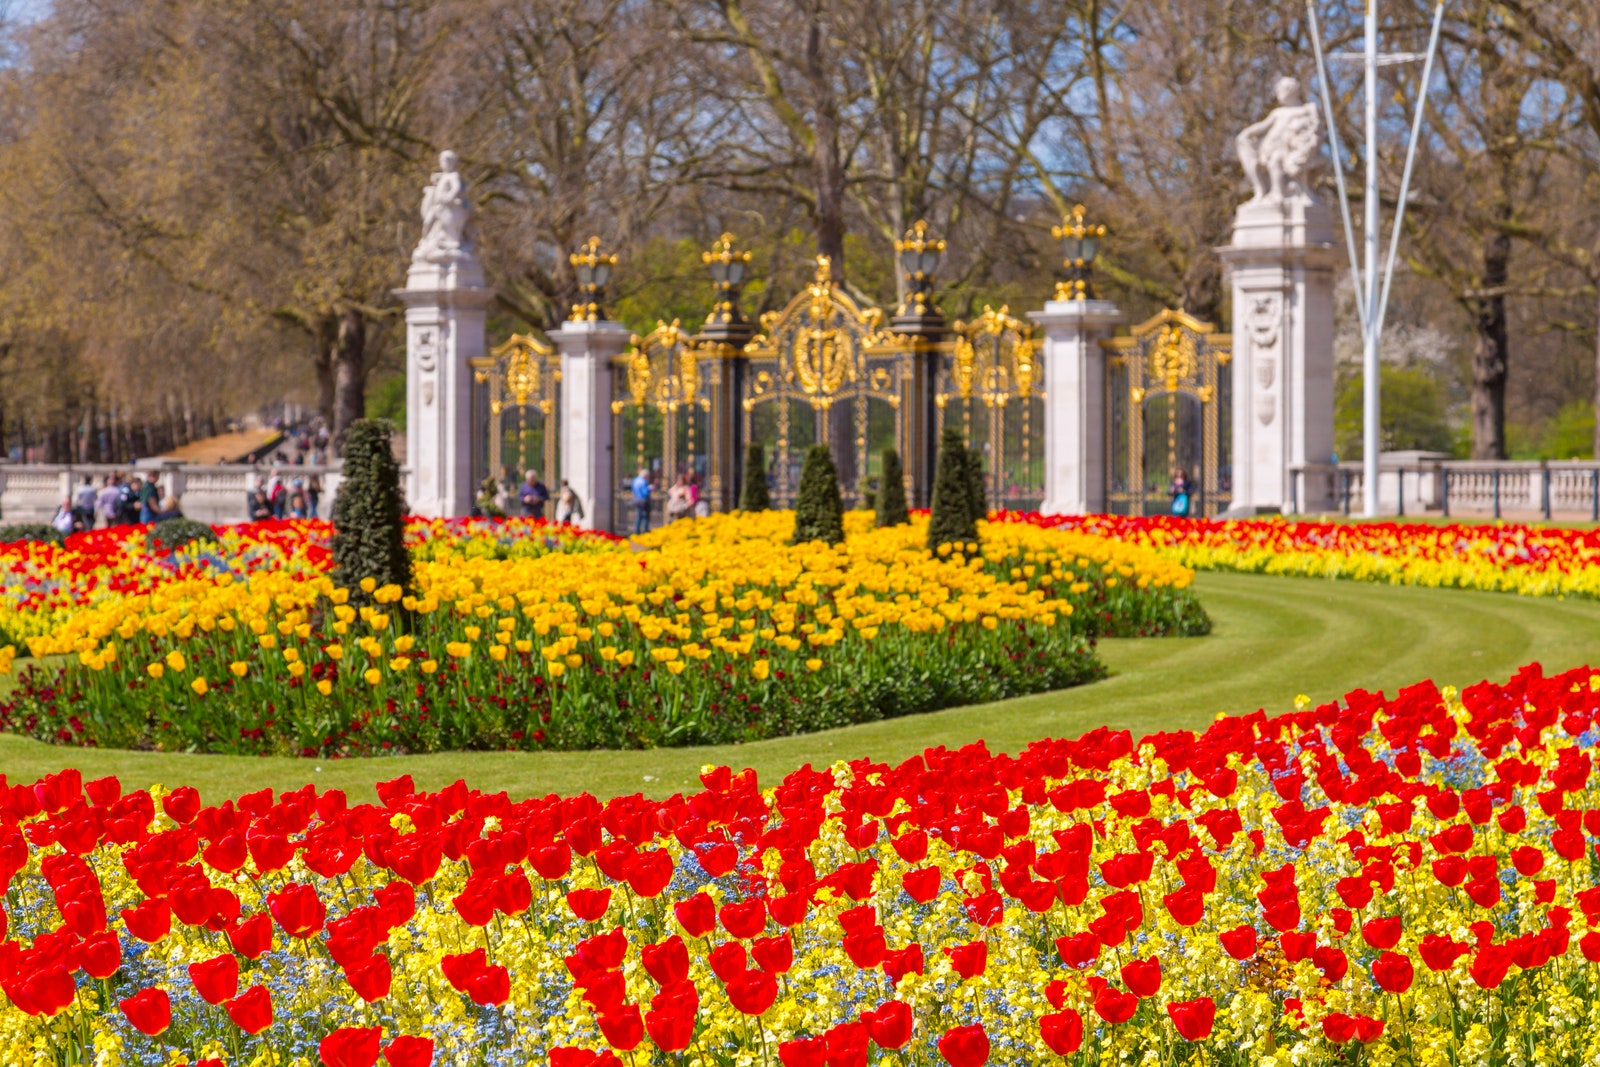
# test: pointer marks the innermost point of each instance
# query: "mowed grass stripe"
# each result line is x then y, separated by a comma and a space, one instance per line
1274, 638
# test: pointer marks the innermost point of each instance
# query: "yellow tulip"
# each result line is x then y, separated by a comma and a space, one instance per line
324, 687
368, 584
625, 658
155, 670
458, 649
399, 663
813, 664
239, 668
199, 686
557, 669
428, 666
761, 668
372, 675
497, 653
176, 661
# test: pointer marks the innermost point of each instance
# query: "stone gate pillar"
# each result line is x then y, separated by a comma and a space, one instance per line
446, 302
587, 347
1281, 263
1074, 382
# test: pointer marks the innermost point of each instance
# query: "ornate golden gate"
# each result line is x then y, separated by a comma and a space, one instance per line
518, 397
1169, 408
661, 405
823, 371
987, 379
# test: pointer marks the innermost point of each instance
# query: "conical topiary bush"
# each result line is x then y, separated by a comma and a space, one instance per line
368, 516
818, 508
892, 494
753, 495
951, 521
977, 494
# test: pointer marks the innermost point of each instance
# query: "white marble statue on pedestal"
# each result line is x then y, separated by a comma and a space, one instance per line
1278, 151
446, 304
1281, 265
445, 214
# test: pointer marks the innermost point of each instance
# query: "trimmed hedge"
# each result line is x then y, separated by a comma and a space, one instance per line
952, 520
754, 495
368, 516
818, 508
892, 509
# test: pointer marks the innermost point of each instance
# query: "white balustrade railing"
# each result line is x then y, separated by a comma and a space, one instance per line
1416, 483
214, 494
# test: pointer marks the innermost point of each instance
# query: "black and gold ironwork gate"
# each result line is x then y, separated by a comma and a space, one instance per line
823, 371
1169, 409
661, 406
988, 380
517, 398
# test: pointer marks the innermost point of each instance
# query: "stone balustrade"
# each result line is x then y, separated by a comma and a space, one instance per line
1417, 483
214, 494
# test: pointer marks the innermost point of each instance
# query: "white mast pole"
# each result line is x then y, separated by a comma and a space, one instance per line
1369, 347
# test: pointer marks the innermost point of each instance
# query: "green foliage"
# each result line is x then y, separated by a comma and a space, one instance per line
368, 528
1415, 412
31, 531
951, 521
818, 508
754, 495
170, 535
386, 399
1570, 433
892, 494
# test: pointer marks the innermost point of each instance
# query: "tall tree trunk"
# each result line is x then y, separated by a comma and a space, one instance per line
325, 339
1491, 353
826, 160
350, 374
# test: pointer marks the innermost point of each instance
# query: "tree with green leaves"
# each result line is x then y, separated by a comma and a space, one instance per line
754, 496
892, 495
818, 508
952, 521
368, 515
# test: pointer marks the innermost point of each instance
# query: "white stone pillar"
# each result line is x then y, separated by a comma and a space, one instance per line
446, 303
587, 349
1281, 264
1075, 404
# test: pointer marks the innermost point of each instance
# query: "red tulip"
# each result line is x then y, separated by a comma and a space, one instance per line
753, 992
251, 938
1589, 945
847, 1045
745, 920
589, 904
806, 1052
922, 884
623, 1029
670, 1022
371, 978
491, 986
1062, 1031
150, 921
1115, 1006
969, 961
182, 804
1392, 972
774, 955
1439, 952
1193, 1018
351, 1046
728, 960
697, 915
298, 909
666, 961
149, 1010
1382, 933
408, 1051
1528, 860
649, 872
1240, 942
889, 1025
251, 1011
100, 955
965, 1046
1143, 977
1186, 906
216, 979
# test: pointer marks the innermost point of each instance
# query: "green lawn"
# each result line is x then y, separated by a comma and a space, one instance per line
1274, 638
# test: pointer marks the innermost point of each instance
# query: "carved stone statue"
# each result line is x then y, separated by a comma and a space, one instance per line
445, 213
1278, 151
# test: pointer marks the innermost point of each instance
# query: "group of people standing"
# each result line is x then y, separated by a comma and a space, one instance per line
117, 501
683, 499
295, 499
531, 499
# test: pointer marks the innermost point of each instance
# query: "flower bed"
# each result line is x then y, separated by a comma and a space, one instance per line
1407, 879
720, 633
1502, 557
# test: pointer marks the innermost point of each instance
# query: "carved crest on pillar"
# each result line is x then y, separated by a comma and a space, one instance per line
1264, 319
